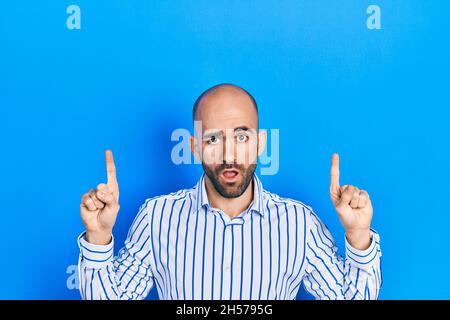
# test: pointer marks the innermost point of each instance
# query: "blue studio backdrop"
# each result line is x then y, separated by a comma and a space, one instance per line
368, 79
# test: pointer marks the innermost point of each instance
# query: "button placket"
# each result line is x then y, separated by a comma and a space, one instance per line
228, 244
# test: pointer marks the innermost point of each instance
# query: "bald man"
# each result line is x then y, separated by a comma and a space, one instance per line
227, 237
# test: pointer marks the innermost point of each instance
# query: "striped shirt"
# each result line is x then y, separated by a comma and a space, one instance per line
190, 250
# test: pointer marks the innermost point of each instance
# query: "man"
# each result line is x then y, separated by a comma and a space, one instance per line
227, 237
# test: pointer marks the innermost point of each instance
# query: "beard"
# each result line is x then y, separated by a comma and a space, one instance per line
233, 189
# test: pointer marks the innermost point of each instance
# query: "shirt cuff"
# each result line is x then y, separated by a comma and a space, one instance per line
364, 259
95, 256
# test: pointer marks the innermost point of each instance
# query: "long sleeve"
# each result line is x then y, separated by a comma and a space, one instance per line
329, 276
126, 276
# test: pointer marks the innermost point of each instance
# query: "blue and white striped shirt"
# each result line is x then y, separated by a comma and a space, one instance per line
191, 250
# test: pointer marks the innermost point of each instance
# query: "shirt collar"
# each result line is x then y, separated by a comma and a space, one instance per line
256, 205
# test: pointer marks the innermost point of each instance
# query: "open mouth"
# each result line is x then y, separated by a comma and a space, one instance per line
230, 175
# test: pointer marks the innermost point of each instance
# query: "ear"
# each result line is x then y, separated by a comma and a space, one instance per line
195, 147
262, 140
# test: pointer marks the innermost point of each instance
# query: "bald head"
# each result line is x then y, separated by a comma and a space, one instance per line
224, 95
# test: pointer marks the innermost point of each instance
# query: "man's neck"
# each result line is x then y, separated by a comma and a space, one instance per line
231, 206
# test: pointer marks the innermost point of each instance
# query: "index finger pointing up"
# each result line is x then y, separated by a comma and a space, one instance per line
110, 169
334, 172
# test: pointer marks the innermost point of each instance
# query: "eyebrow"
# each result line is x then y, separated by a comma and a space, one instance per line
242, 128
212, 133
220, 132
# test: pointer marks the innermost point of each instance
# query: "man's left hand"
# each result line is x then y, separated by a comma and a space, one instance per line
354, 208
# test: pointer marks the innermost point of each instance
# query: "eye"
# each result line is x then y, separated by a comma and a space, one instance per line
242, 138
213, 140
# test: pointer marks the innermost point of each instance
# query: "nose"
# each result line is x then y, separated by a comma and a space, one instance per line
229, 152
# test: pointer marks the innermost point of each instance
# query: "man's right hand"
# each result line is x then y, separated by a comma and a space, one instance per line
99, 207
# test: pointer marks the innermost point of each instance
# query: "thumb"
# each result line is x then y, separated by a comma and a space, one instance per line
106, 197
346, 196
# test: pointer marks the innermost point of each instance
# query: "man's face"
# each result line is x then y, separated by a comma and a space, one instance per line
229, 140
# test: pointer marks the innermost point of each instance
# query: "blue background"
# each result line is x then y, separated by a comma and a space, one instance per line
129, 77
